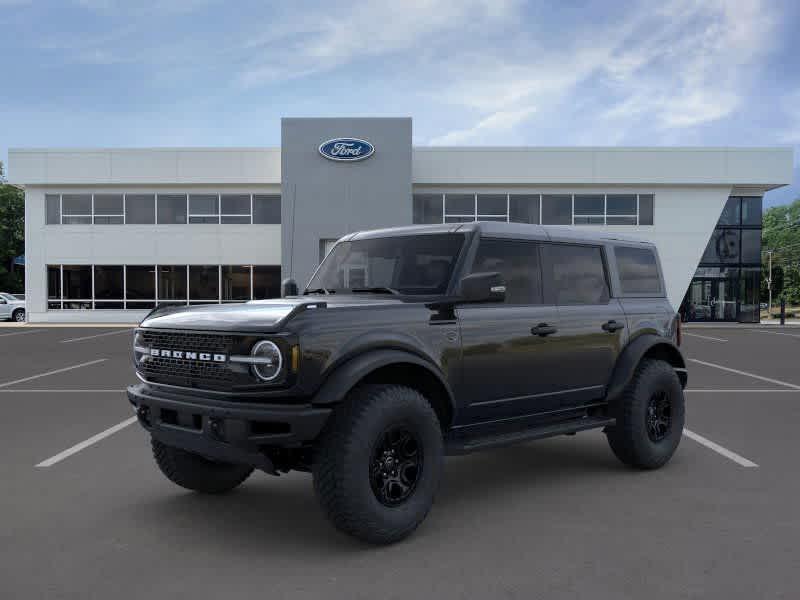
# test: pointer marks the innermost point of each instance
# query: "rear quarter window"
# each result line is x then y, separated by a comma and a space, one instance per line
638, 271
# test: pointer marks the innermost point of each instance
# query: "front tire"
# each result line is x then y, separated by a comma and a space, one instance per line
18, 316
650, 416
197, 473
378, 463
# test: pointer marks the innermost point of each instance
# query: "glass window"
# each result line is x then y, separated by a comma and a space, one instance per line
730, 214
140, 209
459, 204
171, 282
589, 209
77, 282
53, 282
638, 270
518, 264
750, 294
557, 209
140, 282
646, 209
621, 204
109, 305
267, 209
203, 208
575, 274
495, 205
171, 209
53, 208
108, 282
427, 209
751, 211
614, 220
266, 281
108, 209
235, 283
235, 208
524, 208
76, 209
723, 247
203, 282
751, 246
712, 294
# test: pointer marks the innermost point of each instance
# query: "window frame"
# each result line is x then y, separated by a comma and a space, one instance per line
548, 287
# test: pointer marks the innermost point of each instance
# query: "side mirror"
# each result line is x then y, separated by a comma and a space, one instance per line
483, 287
288, 287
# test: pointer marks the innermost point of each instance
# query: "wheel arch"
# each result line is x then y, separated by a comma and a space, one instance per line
390, 366
644, 347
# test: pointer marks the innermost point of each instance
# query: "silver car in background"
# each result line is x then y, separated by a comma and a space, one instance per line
11, 308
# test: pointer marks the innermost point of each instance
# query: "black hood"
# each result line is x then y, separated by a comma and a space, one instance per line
257, 315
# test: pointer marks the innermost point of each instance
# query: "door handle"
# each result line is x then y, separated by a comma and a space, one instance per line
612, 326
543, 329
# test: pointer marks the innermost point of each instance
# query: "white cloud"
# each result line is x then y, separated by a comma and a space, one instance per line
496, 122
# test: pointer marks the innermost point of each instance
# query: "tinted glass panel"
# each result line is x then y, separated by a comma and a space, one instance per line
108, 220
723, 247
203, 204
235, 283
610, 220
591, 204
638, 270
751, 245
749, 295
236, 204
203, 282
53, 207
459, 204
206, 220
459, 219
492, 204
76, 204
621, 204
109, 305
140, 282
53, 281
78, 282
556, 209
575, 274
108, 282
427, 208
234, 220
266, 282
266, 209
524, 208
140, 209
730, 214
589, 220
518, 263
646, 209
172, 283
171, 209
108, 204
751, 211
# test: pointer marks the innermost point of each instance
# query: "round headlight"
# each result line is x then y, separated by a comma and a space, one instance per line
140, 352
267, 360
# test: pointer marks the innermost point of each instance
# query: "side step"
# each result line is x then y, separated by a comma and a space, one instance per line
455, 446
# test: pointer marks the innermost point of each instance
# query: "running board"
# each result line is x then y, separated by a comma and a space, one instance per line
458, 446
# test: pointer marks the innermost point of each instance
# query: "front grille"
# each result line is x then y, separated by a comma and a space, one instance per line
193, 373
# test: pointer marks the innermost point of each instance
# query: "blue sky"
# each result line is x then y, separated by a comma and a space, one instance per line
470, 72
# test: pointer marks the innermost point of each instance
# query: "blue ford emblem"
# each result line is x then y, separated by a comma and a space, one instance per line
346, 149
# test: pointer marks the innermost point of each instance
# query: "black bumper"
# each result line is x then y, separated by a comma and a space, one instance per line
232, 432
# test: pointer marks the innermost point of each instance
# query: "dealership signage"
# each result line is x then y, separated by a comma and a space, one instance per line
346, 149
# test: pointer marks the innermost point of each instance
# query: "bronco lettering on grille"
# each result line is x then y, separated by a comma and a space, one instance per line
187, 355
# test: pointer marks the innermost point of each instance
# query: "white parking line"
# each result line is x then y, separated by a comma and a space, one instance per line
794, 335
22, 332
705, 337
718, 391
730, 455
745, 373
24, 379
91, 337
86, 443
87, 391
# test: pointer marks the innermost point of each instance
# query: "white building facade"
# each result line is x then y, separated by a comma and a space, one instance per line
111, 233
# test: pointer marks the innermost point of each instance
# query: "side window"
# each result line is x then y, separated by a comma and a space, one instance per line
575, 274
518, 263
638, 271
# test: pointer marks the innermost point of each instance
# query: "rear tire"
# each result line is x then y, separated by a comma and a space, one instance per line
650, 415
197, 473
378, 463
18, 315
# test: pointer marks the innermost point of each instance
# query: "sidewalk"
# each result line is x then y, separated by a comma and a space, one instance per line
723, 325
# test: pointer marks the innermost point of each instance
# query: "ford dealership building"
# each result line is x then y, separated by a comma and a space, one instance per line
110, 233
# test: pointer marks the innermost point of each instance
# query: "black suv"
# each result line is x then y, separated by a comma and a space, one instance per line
409, 344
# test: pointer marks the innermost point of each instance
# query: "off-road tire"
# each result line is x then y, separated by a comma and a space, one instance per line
344, 456
18, 315
194, 472
629, 438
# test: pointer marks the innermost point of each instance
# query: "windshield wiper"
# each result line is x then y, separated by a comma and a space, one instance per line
320, 290
375, 290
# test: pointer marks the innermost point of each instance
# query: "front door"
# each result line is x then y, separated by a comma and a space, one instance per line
711, 300
5, 308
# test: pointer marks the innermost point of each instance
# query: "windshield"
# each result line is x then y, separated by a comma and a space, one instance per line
8, 297
412, 264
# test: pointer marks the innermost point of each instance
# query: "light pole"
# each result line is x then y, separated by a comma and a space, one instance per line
769, 285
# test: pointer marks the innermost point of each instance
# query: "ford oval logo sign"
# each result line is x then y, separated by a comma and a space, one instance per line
345, 149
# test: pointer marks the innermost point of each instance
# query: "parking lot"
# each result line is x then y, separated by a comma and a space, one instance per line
84, 512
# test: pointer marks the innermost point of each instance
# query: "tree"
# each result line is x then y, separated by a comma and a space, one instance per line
781, 235
12, 235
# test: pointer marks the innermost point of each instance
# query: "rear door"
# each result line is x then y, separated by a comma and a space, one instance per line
5, 308
592, 324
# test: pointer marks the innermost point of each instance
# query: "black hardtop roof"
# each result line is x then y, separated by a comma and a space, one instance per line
563, 233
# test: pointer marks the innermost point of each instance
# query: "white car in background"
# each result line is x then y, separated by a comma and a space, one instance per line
12, 308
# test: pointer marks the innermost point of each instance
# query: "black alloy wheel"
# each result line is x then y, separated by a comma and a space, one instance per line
395, 466
659, 416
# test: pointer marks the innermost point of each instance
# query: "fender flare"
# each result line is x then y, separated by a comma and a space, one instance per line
632, 354
345, 376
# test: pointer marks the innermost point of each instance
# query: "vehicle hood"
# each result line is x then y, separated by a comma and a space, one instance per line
257, 315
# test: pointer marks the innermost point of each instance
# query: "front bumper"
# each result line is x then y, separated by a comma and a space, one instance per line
232, 432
